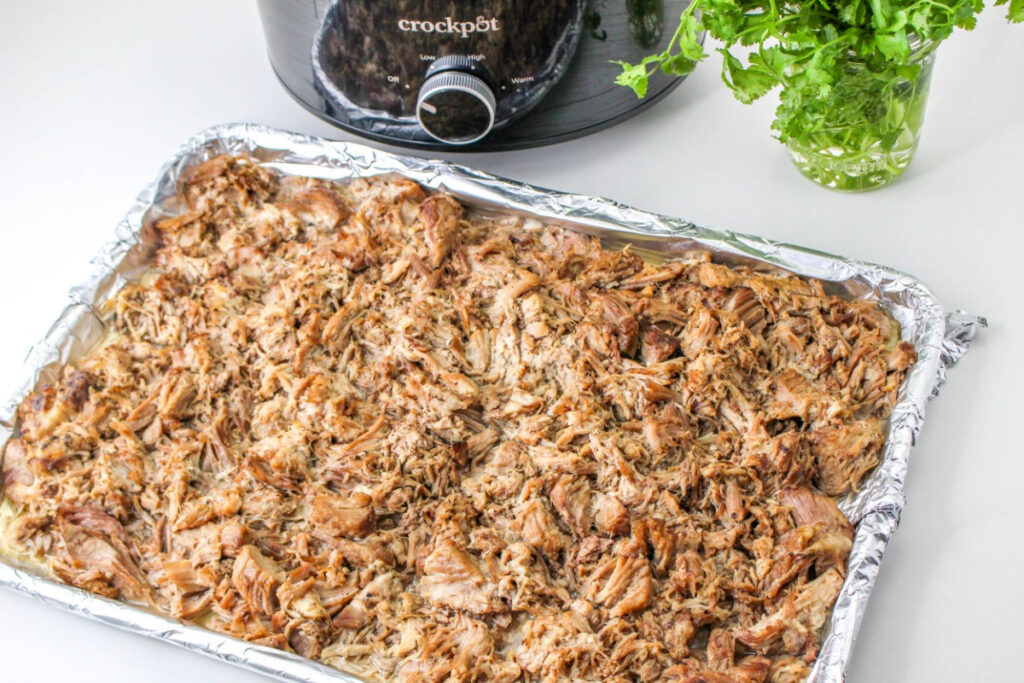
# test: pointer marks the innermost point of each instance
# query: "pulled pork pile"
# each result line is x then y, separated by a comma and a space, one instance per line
351, 421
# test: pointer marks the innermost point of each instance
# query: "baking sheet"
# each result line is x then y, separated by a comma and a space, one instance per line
940, 339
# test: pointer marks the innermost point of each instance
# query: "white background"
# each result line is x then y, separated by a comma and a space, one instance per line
94, 96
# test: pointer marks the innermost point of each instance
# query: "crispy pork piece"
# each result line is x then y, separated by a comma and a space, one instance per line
383, 431
622, 584
721, 650
256, 578
280, 460
96, 548
451, 578
556, 646
845, 453
585, 511
184, 576
571, 498
343, 515
16, 472
462, 651
795, 396
813, 508
538, 528
823, 539
440, 216
319, 206
657, 346
698, 332
615, 311
793, 627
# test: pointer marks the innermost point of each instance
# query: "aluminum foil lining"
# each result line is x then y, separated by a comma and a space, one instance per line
940, 339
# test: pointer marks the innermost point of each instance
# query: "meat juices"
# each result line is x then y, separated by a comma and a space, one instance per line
359, 423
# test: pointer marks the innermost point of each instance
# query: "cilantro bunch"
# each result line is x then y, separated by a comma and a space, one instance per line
809, 48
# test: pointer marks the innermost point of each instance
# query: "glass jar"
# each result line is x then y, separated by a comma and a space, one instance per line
871, 123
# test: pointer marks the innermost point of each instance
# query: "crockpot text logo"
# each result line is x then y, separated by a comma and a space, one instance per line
449, 25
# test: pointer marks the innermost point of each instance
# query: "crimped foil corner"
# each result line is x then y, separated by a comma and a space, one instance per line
940, 339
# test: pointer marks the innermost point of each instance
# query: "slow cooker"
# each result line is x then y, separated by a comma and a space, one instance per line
476, 74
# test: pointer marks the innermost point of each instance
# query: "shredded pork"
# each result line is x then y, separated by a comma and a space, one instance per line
356, 422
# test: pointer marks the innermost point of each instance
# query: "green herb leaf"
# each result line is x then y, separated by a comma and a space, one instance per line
1014, 10
893, 45
633, 76
688, 38
747, 84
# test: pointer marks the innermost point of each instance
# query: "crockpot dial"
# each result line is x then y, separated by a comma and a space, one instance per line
456, 107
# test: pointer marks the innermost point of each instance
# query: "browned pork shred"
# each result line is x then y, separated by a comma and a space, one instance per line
352, 421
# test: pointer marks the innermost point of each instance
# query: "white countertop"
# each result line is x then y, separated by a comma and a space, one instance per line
95, 96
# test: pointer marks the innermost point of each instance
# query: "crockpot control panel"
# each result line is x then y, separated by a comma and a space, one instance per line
453, 70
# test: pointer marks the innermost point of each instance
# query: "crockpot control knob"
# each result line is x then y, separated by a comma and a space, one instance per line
456, 107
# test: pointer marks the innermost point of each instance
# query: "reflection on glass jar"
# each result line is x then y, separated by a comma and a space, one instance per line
871, 124
645, 21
